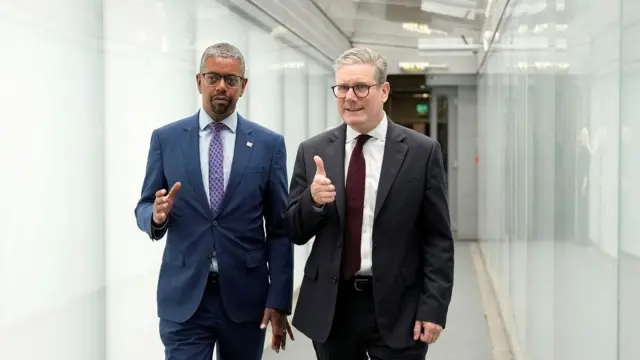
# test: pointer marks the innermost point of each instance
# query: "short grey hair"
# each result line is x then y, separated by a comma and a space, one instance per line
225, 51
364, 55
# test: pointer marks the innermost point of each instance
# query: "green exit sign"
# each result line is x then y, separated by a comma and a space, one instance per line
422, 108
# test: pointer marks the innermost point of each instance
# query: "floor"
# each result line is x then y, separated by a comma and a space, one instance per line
466, 336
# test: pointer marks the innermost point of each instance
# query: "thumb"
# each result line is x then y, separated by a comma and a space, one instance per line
174, 190
417, 329
265, 320
319, 166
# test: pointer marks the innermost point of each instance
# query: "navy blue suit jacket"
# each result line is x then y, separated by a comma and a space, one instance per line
256, 268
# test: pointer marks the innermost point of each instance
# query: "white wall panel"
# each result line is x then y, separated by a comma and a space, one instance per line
265, 86
51, 155
296, 119
318, 96
467, 166
556, 208
149, 81
333, 116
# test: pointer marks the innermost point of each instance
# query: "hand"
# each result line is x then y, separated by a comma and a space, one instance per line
164, 203
322, 191
279, 327
426, 332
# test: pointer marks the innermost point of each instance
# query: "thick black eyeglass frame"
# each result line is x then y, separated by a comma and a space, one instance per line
228, 78
368, 87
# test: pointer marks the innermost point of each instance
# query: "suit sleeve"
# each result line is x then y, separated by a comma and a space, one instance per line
437, 247
303, 218
154, 180
279, 247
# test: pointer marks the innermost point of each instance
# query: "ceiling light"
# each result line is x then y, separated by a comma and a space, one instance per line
413, 67
288, 65
421, 28
419, 67
278, 31
540, 28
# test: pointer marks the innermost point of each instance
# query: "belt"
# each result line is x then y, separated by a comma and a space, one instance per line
214, 277
360, 283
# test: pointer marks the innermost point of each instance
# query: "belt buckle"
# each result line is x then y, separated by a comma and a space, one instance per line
358, 282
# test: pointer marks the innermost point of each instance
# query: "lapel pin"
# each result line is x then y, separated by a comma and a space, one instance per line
249, 144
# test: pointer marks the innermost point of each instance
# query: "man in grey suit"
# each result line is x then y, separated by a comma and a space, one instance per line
379, 277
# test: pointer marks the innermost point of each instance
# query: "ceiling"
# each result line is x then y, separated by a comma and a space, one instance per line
434, 24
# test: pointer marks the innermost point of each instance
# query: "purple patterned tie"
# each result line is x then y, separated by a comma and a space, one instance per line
216, 169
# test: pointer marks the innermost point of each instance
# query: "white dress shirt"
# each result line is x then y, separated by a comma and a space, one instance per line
373, 151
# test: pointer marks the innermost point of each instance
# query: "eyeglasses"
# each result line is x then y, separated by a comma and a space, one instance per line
360, 90
232, 81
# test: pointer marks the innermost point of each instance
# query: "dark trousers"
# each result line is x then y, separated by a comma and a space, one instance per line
355, 333
196, 338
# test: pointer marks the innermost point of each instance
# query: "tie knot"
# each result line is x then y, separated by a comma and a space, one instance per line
361, 139
218, 126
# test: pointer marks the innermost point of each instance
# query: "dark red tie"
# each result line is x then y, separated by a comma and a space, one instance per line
354, 191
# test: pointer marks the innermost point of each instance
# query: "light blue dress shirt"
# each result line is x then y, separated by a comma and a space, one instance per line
228, 145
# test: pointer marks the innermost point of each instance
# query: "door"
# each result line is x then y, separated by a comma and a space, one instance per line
445, 107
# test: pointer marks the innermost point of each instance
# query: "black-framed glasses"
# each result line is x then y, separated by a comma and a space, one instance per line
212, 78
360, 90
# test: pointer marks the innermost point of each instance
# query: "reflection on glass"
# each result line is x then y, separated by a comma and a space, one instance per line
557, 224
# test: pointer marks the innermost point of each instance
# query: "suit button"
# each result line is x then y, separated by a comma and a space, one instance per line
215, 223
335, 279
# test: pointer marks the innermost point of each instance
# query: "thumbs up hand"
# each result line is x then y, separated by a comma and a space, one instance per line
322, 191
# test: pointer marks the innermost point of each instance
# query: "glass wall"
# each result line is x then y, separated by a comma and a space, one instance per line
84, 83
558, 176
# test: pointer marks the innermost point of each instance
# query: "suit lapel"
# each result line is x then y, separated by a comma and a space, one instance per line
191, 156
334, 165
241, 155
394, 152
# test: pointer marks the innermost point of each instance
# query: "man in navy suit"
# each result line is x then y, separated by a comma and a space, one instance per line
222, 279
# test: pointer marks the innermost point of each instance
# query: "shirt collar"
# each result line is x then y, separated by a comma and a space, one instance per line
379, 132
204, 120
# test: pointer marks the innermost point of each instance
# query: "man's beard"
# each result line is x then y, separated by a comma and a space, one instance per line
220, 108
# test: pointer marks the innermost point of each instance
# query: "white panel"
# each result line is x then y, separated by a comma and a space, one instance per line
318, 94
467, 143
152, 43
629, 292
333, 116
51, 155
295, 127
264, 89
551, 139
